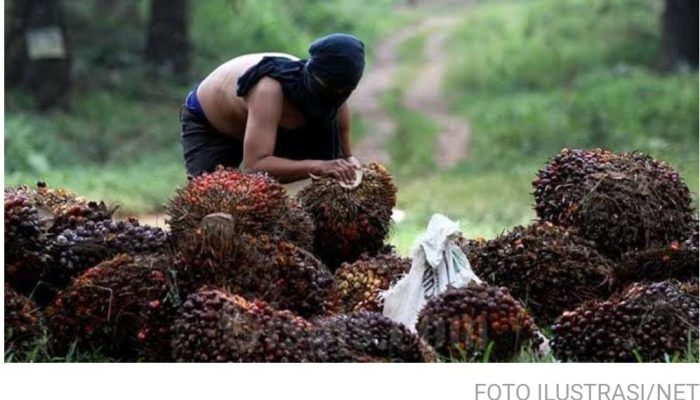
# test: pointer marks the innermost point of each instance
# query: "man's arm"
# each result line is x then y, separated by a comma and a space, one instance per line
264, 112
344, 118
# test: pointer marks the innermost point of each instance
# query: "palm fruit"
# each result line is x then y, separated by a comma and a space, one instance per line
23, 325
296, 226
75, 250
562, 175
674, 261
360, 283
646, 322
25, 241
367, 337
68, 209
255, 201
468, 322
623, 202
123, 306
217, 326
285, 276
547, 267
350, 222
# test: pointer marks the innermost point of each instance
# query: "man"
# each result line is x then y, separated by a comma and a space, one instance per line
274, 113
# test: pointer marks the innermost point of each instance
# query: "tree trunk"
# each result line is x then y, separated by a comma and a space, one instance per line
679, 34
167, 45
36, 52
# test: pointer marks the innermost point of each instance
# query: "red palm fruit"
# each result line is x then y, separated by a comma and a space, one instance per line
23, 324
621, 201
646, 322
217, 326
256, 202
548, 268
285, 276
367, 337
123, 307
465, 323
360, 283
350, 222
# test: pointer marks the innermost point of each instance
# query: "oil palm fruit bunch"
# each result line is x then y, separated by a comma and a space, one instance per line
123, 307
477, 322
255, 201
547, 267
296, 226
75, 250
359, 283
23, 323
350, 221
217, 326
25, 240
278, 272
646, 322
623, 202
68, 209
367, 337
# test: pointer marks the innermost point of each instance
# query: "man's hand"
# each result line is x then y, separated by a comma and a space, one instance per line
339, 169
354, 161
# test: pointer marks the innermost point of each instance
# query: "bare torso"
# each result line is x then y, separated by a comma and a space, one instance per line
228, 112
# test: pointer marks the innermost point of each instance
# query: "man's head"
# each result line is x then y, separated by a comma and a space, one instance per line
334, 67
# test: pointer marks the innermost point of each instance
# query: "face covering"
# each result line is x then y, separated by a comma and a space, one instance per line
319, 85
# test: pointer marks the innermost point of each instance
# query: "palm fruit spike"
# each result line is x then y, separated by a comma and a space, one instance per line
277, 272
367, 337
25, 241
548, 268
255, 201
296, 226
68, 209
350, 222
360, 283
123, 306
23, 325
466, 323
647, 322
623, 202
216, 326
75, 250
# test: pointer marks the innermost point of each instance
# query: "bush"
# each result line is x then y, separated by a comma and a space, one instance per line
542, 45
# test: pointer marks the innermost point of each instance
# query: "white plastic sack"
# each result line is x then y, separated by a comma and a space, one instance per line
437, 262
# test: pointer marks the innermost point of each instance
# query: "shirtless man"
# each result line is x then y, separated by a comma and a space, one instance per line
275, 113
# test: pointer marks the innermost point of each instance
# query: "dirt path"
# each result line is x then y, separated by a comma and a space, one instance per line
423, 96
366, 100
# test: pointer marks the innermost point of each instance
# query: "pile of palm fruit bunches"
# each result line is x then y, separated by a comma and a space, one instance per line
246, 272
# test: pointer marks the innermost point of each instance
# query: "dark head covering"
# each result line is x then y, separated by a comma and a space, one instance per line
319, 85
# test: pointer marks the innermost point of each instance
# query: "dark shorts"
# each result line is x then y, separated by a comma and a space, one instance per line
204, 148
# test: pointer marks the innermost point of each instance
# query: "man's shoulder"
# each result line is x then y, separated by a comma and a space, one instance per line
267, 86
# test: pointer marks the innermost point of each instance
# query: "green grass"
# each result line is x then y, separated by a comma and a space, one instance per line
485, 202
139, 187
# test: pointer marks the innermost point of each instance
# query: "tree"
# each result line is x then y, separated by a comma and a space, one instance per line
36, 52
167, 44
679, 34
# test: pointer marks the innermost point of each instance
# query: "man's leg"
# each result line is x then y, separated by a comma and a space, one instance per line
204, 148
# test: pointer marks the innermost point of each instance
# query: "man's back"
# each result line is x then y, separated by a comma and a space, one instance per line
225, 110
